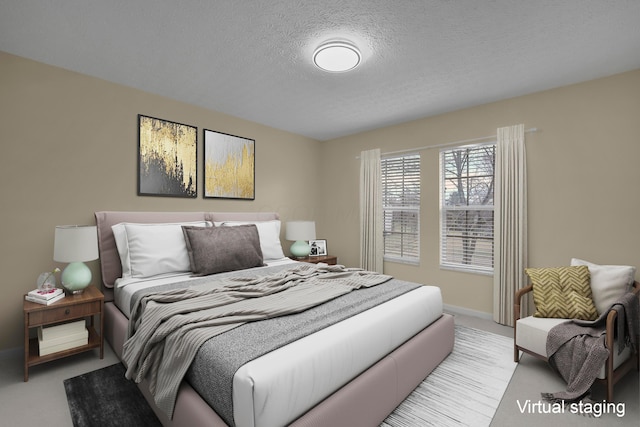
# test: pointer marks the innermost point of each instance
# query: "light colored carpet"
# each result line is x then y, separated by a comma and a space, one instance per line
465, 389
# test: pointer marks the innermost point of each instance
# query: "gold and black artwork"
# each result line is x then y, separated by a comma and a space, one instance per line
167, 158
229, 166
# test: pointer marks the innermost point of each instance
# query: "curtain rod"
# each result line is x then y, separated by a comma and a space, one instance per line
447, 144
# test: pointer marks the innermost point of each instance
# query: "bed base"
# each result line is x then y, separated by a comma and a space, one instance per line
365, 401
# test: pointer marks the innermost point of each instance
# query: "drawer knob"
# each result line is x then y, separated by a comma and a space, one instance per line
67, 311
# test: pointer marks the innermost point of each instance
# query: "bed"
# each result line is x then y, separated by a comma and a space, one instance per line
352, 372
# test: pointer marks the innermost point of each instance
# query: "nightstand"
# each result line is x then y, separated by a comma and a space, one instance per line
327, 259
71, 307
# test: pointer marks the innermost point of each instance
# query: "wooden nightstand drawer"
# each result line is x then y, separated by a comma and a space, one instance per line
60, 314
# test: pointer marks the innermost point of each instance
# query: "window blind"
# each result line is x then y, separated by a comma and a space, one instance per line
401, 207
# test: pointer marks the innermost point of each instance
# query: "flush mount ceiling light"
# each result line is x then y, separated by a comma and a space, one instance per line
337, 57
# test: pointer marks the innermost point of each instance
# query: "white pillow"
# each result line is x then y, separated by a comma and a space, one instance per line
608, 282
269, 232
151, 249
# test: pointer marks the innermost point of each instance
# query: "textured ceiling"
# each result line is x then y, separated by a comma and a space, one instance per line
252, 59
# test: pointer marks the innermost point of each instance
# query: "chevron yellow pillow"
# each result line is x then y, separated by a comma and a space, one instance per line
563, 292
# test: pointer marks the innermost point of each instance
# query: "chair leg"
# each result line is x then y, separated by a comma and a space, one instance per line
609, 374
609, 389
516, 354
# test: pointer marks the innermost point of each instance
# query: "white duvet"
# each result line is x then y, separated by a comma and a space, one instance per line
279, 387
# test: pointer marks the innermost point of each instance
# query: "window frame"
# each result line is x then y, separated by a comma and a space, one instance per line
409, 250
445, 262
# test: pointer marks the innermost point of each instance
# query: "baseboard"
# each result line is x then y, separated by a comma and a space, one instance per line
467, 312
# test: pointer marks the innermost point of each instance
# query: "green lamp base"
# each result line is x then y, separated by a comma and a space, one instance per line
300, 249
75, 277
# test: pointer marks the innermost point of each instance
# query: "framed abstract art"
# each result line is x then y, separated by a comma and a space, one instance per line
229, 166
167, 158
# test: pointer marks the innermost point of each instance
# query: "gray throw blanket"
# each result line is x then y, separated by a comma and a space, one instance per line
166, 329
576, 349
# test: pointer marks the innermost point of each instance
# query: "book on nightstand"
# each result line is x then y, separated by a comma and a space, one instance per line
62, 330
63, 342
44, 301
46, 295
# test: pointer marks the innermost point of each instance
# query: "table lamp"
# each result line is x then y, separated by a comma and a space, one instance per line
301, 232
75, 244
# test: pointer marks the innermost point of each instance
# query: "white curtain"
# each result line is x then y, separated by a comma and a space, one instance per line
510, 221
371, 226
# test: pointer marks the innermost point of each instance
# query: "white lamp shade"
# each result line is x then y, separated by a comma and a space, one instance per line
301, 230
75, 243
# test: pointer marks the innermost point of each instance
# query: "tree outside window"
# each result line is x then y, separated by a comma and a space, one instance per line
466, 207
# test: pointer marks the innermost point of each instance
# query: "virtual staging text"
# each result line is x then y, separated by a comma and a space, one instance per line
590, 409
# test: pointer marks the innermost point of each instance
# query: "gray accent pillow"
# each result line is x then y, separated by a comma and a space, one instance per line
220, 249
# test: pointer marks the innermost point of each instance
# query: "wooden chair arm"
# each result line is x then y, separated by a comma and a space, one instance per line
609, 341
520, 293
613, 315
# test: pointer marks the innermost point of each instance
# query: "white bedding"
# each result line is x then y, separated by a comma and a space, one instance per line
296, 377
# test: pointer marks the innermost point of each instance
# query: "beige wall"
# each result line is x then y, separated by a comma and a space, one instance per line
583, 180
64, 134
69, 148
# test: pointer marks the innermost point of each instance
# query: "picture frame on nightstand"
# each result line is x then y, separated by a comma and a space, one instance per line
318, 247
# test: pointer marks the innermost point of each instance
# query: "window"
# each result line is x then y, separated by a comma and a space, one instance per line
466, 208
401, 207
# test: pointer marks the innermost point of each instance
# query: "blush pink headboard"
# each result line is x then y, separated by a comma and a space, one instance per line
110, 265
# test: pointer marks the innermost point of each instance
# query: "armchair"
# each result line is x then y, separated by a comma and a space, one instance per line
530, 336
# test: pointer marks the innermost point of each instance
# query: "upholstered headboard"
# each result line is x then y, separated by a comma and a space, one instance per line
110, 265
